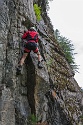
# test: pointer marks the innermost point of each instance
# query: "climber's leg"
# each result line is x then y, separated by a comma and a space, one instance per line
19, 67
36, 50
39, 60
23, 59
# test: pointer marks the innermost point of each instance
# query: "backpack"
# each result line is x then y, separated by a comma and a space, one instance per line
32, 35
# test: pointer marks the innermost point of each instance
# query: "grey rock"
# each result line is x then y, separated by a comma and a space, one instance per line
51, 93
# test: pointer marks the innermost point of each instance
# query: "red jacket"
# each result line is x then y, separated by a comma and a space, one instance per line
31, 36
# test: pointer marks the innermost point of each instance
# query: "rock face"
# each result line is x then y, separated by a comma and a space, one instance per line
49, 96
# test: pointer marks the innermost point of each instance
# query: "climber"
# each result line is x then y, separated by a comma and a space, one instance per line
31, 37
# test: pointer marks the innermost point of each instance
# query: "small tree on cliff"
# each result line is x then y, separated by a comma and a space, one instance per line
37, 10
68, 49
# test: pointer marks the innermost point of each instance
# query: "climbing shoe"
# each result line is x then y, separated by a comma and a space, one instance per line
40, 65
18, 70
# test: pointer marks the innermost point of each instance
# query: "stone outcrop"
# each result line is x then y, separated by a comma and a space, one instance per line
50, 96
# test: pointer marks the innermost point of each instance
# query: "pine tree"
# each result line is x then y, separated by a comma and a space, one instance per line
68, 49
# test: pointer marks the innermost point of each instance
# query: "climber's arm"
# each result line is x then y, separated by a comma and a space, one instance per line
25, 35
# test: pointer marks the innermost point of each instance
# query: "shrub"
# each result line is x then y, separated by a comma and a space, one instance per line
37, 10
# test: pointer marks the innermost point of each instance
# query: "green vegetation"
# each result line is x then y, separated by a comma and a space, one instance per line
81, 118
68, 49
49, 62
37, 10
32, 119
